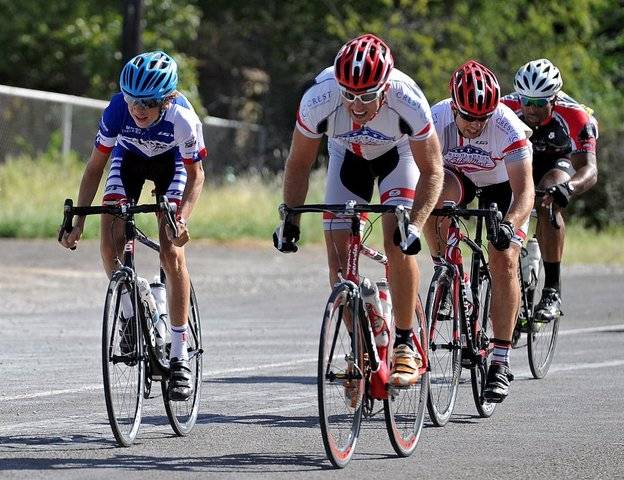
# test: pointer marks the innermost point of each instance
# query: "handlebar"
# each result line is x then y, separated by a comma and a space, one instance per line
162, 205
552, 217
492, 216
350, 209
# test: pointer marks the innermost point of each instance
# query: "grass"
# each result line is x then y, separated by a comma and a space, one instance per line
32, 191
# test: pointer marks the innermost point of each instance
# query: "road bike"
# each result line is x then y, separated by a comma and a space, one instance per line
352, 370
541, 334
458, 307
131, 357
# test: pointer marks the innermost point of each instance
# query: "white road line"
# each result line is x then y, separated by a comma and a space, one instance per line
526, 374
270, 366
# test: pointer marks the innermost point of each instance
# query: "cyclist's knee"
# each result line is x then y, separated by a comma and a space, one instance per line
504, 262
173, 260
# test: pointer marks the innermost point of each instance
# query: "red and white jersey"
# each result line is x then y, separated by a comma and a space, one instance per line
403, 116
482, 159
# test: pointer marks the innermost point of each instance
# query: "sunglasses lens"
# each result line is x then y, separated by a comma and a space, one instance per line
144, 103
534, 102
368, 97
470, 118
348, 95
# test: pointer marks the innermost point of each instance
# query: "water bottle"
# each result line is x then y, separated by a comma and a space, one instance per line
160, 297
468, 300
374, 308
531, 262
145, 293
386, 300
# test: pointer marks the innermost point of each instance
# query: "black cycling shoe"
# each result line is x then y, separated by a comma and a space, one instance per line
497, 383
180, 380
549, 306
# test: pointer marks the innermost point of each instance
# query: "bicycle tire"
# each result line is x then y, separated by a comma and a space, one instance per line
478, 373
404, 409
541, 336
123, 372
183, 415
340, 393
444, 350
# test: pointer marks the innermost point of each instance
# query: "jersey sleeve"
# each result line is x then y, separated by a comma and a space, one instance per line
515, 144
315, 106
110, 124
413, 108
583, 131
189, 137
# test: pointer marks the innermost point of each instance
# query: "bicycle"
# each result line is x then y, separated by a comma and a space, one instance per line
352, 369
458, 308
541, 334
131, 358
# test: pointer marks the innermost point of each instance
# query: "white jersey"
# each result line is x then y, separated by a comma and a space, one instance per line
404, 115
483, 159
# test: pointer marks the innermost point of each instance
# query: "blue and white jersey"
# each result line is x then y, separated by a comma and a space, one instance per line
179, 128
403, 116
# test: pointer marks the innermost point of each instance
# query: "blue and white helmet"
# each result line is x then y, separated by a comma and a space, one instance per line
150, 75
538, 79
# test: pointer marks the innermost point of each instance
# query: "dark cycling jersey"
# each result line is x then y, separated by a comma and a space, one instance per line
570, 129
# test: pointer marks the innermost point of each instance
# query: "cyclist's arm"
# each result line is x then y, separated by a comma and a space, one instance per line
303, 152
586, 171
521, 180
428, 158
193, 188
91, 181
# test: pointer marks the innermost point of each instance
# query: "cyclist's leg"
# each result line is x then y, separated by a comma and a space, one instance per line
551, 241
398, 175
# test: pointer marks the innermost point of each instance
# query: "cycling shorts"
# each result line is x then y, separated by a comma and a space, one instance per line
351, 177
542, 166
499, 193
129, 171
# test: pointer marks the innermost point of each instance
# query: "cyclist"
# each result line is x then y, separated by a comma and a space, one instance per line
564, 161
485, 147
151, 132
378, 125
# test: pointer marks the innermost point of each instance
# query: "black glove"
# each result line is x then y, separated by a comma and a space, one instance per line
412, 243
561, 194
288, 241
506, 232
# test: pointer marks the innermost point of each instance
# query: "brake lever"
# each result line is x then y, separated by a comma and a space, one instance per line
68, 219
169, 210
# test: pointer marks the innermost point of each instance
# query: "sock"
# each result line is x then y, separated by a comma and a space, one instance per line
403, 337
178, 343
502, 349
126, 304
551, 273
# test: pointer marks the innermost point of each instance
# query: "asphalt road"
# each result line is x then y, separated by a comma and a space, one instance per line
261, 315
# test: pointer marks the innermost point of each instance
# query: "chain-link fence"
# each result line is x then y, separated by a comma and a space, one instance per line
33, 122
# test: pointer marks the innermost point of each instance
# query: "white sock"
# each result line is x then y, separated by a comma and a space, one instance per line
126, 303
178, 343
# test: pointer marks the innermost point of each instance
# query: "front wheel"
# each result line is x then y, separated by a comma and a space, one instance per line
404, 409
340, 378
478, 373
123, 366
444, 348
183, 415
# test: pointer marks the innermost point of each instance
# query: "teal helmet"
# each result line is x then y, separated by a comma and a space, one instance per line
150, 75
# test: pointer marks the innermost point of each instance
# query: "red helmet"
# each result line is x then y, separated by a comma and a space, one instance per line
474, 89
363, 64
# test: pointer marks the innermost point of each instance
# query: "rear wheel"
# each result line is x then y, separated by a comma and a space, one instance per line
478, 373
183, 415
444, 348
123, 366
541, 336
404, 409
340, 378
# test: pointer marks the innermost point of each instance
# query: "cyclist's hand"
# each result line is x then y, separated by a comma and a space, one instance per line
506, 232
561, 194
412, 243
183, 233
287, 241
70, 239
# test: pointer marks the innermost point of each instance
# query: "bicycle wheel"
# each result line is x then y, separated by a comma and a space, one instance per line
123, 366
404, 409
183, 415
541, 336
340, 378
478, 373
444, 348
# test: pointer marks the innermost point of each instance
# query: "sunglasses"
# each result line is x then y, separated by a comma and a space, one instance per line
471, 118
146, 103
534, 102
363, 97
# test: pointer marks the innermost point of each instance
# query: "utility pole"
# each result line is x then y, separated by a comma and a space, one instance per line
132, 31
